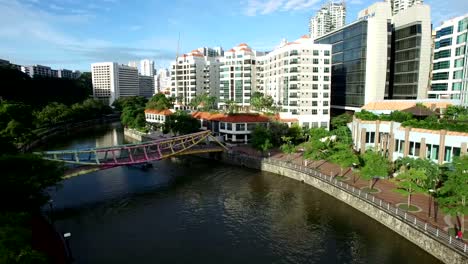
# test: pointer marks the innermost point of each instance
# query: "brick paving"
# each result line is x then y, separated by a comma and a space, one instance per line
386, 187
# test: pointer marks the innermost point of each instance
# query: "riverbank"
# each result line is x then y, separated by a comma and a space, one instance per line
48, 133
423, 234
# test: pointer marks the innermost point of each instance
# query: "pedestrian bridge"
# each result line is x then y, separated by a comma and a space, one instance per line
131, 154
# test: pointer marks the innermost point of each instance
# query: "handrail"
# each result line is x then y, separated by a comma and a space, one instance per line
419, 224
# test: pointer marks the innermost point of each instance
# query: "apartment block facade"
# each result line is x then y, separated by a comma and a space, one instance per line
237, 75
380, 56
400, 5
297, 75
329, 17
193, 74
450, 69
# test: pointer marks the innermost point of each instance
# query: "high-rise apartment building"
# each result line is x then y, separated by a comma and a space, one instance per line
63, 73
450, 68
331, 16
37, 70
380, 56
147, 67
237, 75
112, 81
211, 52
399, 5
193, 74
163, 81
298, 77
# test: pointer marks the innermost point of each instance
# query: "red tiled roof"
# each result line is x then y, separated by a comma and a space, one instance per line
231, 50
165, 112
305, 36
235, 118
285, 120
242, 44
291, 43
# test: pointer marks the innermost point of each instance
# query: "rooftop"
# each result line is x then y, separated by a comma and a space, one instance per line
400, 105
165, 112
233, 118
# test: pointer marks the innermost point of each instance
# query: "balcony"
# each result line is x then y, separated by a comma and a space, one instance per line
294, 62
294, 53
293, 87
293, 78
293, 70
294, 95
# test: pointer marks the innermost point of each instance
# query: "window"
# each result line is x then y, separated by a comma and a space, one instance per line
325, 103
440, 76
314, 86
443, 43
441, 65
326, 87
442, 54
315, 61
326, 69
314, 111
456, 152
326, 78
314, 95
463, 24
435, 152
456, 86
326, 61
417, 149
315, 69
325, 111
327, 53
370, 137
325, 95
222, 125
444, 31
458, 74
251, 126
460, 51
323, 124
240, 127
459, 62
448, 154
461, 38
316, 52
401, 147
229, 126
439, 87
314, 103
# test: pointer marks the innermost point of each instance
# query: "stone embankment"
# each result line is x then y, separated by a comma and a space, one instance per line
436, 242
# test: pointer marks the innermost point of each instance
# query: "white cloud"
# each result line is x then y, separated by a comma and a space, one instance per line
23, 25
264, 7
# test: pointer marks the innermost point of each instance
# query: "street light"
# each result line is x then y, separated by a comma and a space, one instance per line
431, 191
66, 237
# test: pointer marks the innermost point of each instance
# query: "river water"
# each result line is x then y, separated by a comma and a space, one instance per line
192, 210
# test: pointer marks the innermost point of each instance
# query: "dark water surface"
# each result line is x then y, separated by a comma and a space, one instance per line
197, 211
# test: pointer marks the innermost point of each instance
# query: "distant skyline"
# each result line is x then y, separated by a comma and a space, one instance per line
72, 34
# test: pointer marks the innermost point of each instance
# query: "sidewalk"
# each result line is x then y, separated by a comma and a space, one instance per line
386, 187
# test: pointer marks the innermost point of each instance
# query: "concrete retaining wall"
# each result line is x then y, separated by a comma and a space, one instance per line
429, 244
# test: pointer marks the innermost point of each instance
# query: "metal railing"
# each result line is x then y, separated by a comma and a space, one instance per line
401, 214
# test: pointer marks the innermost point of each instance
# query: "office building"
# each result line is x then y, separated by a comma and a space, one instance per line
211, 52
298, 77
147, 67
193, 74
400, 5
146, 86
112, 81
237, 75
380, 56
450, 69
331, 16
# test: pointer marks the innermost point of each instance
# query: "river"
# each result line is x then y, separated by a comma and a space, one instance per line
192, 210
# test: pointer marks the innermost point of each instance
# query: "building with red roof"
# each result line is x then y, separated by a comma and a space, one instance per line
232, 127
157, 117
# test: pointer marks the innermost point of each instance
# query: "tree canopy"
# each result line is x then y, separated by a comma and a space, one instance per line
341, 120
203, 102
411, 181
261, 102
373, 164
160, 102
181, 123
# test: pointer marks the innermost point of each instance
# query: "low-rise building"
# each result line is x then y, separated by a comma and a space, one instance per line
397, 141
157, 117
236, 128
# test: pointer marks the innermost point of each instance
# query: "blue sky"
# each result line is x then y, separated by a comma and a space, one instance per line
74, 33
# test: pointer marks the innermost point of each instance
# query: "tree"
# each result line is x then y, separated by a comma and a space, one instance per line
181, 123
410, 181
15, 121
159, 102
24, 179
373, 165
260, 136
318, 146
341, 120
454, 191
343, 155
296, 133
287, 147
231, 106
261, 102
52, 114
204, 102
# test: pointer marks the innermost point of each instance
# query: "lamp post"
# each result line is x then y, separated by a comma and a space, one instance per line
431, 191
67, 237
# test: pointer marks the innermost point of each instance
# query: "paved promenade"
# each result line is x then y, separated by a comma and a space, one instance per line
386, 187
